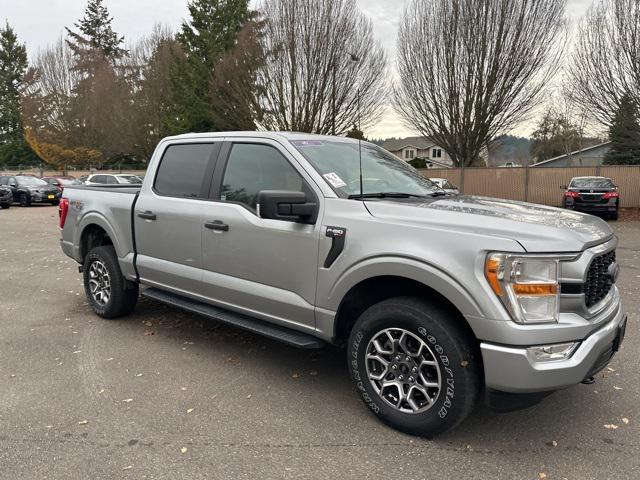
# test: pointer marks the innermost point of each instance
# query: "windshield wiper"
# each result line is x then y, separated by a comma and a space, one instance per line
386, 195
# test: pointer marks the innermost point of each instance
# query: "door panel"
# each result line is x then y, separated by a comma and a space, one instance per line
169, 247
265, 267
168, 218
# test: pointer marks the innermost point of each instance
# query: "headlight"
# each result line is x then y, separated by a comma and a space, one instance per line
526, 285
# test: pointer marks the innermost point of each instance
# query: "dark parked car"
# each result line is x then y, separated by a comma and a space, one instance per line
28, 190
6, 197
592, 195
61, 182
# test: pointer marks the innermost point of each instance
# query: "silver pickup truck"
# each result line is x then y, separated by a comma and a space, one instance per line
310, 240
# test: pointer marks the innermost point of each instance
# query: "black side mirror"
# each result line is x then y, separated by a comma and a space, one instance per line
289, 206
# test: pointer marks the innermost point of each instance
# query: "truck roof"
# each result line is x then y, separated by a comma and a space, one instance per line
261, 134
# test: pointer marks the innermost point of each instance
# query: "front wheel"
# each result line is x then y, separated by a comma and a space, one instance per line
414, 365
25, 201
108, 292
5, 205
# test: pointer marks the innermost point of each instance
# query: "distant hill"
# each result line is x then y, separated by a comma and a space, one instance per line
509, 148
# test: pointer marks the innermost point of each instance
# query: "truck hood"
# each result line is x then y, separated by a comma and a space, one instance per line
536, 227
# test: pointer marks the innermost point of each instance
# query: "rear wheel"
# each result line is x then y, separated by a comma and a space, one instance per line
613, 215
24, 199
108, 292
5, 205
414, 365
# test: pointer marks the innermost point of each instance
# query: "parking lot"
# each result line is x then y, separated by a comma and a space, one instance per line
166, 394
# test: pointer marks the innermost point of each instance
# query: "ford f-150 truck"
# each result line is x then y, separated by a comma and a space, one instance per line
313, 240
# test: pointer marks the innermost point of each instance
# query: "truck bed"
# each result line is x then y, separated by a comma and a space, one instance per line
132, 190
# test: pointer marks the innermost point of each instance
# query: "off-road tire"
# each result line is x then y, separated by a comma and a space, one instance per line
123, 294
453, 346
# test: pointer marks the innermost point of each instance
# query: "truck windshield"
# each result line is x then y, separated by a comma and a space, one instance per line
383, 174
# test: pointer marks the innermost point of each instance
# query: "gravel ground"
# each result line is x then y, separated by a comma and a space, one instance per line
165, 394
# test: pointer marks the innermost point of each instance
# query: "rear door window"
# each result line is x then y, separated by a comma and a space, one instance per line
184, 170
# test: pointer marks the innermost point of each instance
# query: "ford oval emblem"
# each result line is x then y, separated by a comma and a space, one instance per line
613, 270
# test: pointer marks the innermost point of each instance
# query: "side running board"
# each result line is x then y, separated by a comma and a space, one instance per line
261, 327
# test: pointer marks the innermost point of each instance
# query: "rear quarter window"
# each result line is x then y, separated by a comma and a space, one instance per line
183, 170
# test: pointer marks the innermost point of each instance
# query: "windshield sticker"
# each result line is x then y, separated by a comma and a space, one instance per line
334, 180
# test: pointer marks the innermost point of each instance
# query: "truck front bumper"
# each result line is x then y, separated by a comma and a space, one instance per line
513, 369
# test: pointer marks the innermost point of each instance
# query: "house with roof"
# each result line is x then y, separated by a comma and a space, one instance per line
419, 147
435, 156
586, 157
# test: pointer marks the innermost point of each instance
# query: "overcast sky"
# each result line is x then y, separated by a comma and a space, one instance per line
41, 22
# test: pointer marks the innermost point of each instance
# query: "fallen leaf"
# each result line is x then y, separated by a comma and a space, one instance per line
183, 450
183, 389
249, 396
295, 375
617, 388
138, 374
127, 400
149, 332
625, 420
83, 422
128, 467
101, 391
148, 323
109, 359
611, 426
189, 410
610, 369
542, 475
78, 351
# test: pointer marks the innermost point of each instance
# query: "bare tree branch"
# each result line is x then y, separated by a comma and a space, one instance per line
606, 63
469, 69
309, 77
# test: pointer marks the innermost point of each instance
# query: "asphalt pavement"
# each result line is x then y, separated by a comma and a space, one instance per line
163, 394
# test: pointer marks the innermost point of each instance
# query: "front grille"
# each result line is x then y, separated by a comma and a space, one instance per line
599, 282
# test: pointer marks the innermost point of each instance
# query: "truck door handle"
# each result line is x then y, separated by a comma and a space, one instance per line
217, 226
147, 215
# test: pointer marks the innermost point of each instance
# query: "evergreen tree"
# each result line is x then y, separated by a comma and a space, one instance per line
355, 132
101, 98
624, 134
210, 33
96, 34
13, 65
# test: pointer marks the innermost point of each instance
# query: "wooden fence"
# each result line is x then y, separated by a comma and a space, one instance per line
537, 184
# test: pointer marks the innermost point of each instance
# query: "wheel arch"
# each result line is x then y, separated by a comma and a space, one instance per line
93, 235
379, 280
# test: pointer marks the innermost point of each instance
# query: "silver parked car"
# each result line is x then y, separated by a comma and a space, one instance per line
112, 179
435, 298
